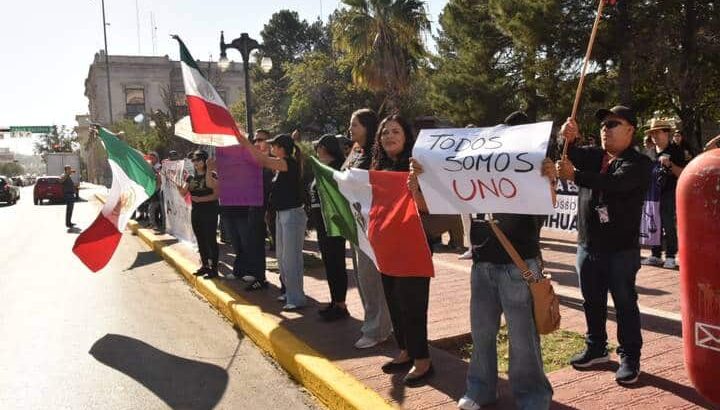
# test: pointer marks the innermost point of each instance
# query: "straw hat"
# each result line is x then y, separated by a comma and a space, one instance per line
657, 124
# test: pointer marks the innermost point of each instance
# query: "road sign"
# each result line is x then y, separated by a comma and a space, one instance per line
35, 129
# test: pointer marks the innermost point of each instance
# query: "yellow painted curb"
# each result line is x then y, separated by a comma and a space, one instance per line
331, 385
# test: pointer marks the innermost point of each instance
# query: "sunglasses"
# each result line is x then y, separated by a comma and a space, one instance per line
196, 160
610, 124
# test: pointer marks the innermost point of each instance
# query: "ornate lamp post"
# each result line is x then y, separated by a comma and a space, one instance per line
245, 45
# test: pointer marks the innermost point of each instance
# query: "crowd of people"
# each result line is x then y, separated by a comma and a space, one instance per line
613, 177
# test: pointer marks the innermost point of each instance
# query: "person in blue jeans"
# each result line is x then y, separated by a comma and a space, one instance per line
613, 180
287, 198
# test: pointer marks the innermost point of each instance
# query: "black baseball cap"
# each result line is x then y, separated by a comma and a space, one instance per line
283, 140
626, 113
516, 118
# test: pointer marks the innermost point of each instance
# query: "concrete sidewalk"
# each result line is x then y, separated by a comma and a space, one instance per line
344, 377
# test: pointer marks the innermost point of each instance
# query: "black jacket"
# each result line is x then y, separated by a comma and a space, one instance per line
621, 189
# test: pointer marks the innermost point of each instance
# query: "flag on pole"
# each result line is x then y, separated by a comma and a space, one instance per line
208, 112
375, 211
133, 182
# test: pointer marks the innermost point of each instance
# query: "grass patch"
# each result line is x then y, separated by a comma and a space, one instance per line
557, 349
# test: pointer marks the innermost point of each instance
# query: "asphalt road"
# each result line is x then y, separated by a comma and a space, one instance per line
132, 336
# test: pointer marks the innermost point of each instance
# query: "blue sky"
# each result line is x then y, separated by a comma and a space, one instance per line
47, 45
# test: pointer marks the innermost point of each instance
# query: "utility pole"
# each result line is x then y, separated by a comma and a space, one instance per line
107, 63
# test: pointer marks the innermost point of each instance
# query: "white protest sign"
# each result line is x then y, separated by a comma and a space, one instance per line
177, 208
485, 170
565, 216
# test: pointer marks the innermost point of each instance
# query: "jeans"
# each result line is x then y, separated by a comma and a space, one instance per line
616, 272
247, 235
204, 217
496, 289
69, 198
668, 217
290, 225
407, 300
376, 324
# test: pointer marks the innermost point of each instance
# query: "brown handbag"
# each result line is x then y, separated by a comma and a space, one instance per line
546, 305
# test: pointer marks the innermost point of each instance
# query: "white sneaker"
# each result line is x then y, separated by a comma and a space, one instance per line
466, 403
670, 263
289, 307
230, 276
466, 255
652, 261
367, 342
248, 278
281, 298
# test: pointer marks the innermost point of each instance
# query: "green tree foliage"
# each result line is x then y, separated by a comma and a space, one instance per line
322, 94
143, 139
383, 40
60, 139
11, 169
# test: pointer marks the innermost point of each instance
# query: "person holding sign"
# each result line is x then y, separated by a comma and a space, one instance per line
498, 287
613, 180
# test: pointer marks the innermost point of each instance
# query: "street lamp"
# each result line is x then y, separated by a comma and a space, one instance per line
245, 45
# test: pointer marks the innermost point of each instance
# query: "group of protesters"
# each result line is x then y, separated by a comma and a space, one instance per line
612, 177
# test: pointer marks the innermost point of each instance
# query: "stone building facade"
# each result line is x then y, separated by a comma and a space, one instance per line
142, 84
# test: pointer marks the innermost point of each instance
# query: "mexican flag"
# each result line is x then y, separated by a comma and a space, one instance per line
208, 112
133, 182
375, 211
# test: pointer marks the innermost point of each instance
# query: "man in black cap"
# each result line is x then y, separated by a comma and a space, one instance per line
69, 194
613, 180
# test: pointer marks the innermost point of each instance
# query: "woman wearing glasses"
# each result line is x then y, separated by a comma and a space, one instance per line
204, 214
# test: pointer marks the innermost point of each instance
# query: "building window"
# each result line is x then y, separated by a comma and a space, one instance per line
180, 103
134, 101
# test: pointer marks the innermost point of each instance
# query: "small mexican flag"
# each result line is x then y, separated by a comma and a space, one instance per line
208, 112
133, 182
375, 211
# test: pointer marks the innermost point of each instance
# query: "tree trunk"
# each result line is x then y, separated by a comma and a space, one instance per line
688, 92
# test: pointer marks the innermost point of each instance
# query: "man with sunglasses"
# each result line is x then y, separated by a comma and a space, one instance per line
613, 180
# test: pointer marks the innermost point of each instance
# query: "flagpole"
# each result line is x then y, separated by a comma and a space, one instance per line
586, 61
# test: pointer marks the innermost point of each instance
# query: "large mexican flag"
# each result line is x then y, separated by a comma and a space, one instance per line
375, 211
133, 182
208, 112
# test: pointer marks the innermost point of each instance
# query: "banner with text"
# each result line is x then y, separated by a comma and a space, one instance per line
177, 207
240, 177
481, 170
565, 216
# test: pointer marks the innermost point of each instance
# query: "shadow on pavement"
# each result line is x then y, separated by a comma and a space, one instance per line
143, 259
74, 230
179, 382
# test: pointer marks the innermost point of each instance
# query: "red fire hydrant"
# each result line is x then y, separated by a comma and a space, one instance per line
698, 219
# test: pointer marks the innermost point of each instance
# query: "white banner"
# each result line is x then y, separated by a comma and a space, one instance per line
177, 207
565, 216
484, 170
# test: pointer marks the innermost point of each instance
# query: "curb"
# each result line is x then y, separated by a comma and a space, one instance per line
328, 383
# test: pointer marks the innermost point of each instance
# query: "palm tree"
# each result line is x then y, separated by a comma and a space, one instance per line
383, 39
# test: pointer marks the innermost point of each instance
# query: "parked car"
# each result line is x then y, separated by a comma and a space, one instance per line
18, 181
8, 192
49, 188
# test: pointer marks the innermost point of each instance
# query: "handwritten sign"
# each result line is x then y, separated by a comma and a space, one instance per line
478, 170
177, 208
240, 177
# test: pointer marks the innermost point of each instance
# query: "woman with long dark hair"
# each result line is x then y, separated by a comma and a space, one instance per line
286, 197
332, 248
204, 214
406, 296
376, 325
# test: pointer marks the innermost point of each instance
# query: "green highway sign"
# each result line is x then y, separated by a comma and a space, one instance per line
35, 129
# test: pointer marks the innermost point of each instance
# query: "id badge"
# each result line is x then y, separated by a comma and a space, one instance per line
603, 215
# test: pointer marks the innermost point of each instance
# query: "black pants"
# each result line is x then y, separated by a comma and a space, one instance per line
204, 218
668, 217
332, 250
407, 300
69, 206
247, 233
599, 273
